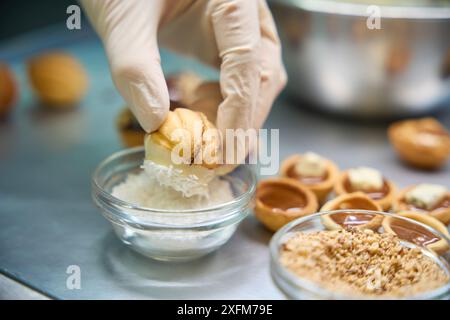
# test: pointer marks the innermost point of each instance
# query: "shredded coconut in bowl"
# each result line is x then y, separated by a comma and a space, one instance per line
190, 181
145, 190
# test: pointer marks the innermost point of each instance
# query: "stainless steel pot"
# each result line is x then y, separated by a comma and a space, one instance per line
336, 62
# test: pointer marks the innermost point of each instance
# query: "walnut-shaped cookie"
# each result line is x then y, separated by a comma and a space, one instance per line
313, 172
367, 180
185, 153
422, 143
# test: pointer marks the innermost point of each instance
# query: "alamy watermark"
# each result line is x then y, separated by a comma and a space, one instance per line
373, 21
73, 281
236, 146
73, 21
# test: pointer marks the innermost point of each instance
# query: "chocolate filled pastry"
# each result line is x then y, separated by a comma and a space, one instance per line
416, 234
281, 200
368, 181
130, 131
422, 143
311, 171
351, 201
430, 199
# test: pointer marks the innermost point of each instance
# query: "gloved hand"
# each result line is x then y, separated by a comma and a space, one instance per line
239, 36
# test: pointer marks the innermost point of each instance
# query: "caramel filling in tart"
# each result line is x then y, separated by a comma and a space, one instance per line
282, 197
292, 173
373, 194
413, 233
349, 219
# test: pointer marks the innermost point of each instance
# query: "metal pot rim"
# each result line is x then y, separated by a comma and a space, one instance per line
361, 9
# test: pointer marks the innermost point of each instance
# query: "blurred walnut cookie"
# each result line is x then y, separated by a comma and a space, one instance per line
369, 181
58, 79
426, 198
351, 201
312, 171
8, 90
422, 143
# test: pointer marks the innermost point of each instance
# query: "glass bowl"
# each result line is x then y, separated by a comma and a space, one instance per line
169, 235
295, 287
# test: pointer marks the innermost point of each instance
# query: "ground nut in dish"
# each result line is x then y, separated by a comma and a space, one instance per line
361, 263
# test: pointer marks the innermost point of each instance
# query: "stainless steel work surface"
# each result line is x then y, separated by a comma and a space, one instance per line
48, 221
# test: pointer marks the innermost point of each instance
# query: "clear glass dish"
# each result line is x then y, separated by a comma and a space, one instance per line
295, 287
169, 235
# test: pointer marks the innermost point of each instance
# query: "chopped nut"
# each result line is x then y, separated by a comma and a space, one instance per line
362, 262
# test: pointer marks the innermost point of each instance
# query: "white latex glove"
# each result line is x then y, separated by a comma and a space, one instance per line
237, 36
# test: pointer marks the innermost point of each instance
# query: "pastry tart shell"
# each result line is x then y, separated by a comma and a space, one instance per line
399, 204
351, 201
274, 219
385, 203
321, 189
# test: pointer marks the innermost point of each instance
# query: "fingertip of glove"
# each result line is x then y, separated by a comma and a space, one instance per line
149, 109
148, 101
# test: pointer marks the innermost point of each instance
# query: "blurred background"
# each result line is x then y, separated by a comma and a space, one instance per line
336, 62
20, 16
60, 116
372, 58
